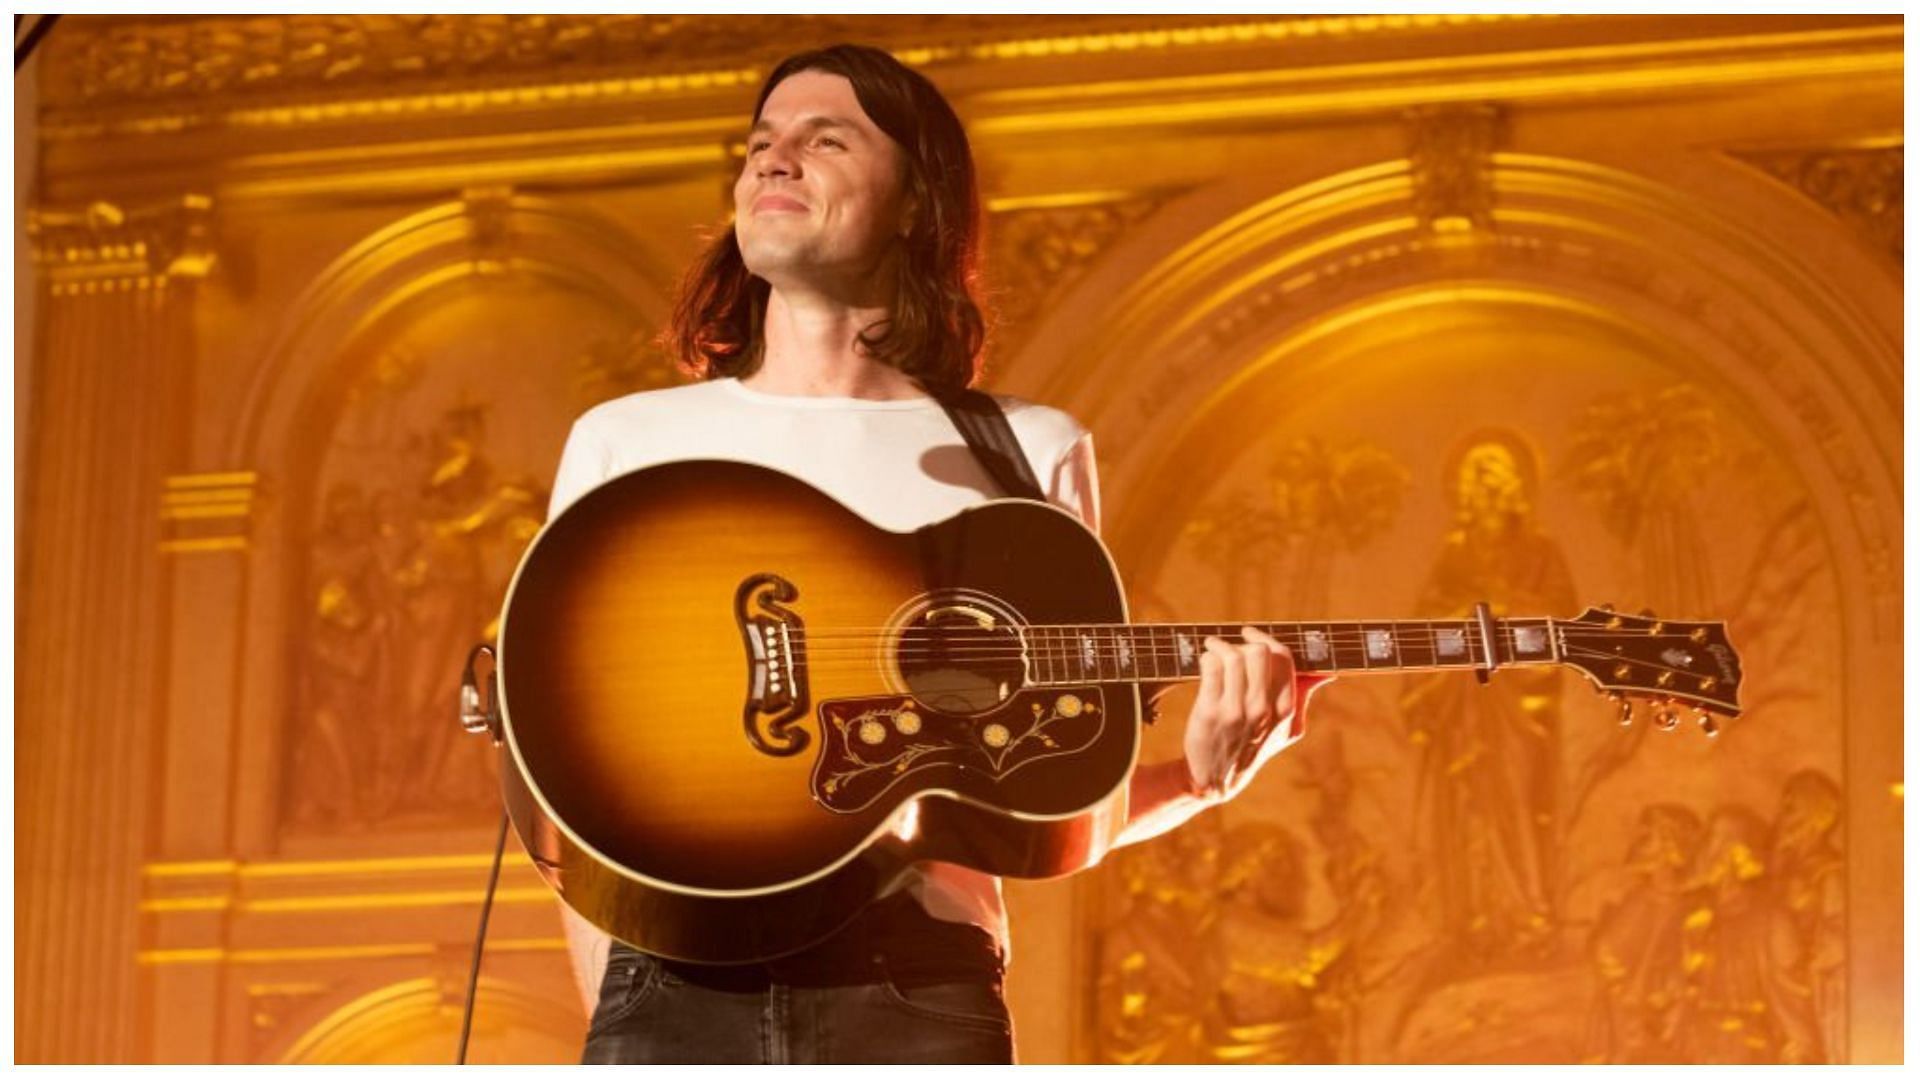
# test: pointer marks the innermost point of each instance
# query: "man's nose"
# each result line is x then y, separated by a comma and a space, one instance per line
777, 159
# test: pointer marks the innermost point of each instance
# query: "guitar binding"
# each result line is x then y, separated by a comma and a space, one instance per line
777, 696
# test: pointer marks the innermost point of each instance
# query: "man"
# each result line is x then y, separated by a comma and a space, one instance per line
820, 322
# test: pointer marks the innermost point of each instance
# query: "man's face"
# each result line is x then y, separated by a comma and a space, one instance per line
821, 200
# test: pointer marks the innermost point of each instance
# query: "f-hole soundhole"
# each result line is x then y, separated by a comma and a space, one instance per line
960, 658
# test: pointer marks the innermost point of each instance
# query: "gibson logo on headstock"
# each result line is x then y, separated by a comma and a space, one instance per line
1724, 657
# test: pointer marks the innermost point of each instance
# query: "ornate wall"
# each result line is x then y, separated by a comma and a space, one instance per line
1372, 316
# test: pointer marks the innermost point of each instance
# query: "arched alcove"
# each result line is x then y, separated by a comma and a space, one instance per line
1711, 423
417, 1022
404, 430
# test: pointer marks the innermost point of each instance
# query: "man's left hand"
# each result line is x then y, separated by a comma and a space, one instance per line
1251, 706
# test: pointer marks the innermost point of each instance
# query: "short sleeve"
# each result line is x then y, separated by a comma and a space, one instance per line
583, 465
1075, 484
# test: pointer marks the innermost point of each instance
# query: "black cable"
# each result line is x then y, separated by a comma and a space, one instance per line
24, 48
480, 941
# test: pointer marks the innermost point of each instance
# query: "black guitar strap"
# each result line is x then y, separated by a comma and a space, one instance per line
984, 426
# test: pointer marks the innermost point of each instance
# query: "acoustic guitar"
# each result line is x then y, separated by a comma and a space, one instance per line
733, 712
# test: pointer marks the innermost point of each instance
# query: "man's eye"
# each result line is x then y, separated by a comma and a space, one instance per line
834, 143
755, 148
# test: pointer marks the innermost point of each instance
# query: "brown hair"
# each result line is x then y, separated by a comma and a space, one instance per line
936, 330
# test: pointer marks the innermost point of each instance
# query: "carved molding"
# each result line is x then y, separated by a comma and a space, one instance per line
1862, 186
157, 77
1038, 248
1451, 150
207, 512
104, 246
117, 61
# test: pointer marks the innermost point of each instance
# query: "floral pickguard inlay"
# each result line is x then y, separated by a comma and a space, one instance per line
870, 744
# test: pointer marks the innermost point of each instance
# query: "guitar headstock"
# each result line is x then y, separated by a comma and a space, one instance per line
1675, 664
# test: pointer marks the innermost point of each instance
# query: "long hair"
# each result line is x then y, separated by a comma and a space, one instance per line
935, 331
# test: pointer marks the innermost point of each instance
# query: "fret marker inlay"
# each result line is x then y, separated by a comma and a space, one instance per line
1089, 653
1451, 643
1379, 644
1317, 650
1126, 653
1186, 650
1529, 640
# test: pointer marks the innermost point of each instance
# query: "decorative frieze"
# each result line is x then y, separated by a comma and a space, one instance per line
1862, 186
1451, 150
104, 247
143, 61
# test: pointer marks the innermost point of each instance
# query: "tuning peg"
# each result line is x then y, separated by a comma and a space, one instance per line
1607, 607
1666, 720
1626, 712
1646, 613
1708, 722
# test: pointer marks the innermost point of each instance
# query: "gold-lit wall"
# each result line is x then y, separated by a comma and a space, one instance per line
1371, 316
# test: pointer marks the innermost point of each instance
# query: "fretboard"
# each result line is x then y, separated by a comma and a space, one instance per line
1069, 654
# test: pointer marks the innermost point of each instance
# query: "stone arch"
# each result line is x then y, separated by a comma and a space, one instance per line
1235, 301
418, 1021
1252, 300
489, 235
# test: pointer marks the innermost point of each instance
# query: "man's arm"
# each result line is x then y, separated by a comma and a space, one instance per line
1236, 723
1250, 707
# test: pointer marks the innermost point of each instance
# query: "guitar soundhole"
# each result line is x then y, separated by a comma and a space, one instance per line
961, 658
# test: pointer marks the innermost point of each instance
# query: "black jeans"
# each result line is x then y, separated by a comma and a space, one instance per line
896, 986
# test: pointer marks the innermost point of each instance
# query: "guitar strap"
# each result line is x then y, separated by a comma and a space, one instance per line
984, 426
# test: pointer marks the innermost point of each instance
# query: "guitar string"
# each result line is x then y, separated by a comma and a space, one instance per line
1141, 630
926, 641
989, 650
1062, 651
1069, 659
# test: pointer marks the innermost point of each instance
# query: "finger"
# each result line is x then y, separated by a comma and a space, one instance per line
1233, 678
1206, 700
1258, 659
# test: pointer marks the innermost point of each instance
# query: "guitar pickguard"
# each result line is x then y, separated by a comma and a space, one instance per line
871, 745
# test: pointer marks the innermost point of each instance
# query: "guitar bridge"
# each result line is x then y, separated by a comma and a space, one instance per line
776, 676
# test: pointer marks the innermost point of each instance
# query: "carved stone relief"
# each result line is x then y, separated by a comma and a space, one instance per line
435, 480
1862, 186
1444, 872
1451, 148
1037, 253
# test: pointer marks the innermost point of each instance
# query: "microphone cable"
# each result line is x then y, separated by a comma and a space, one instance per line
480, 941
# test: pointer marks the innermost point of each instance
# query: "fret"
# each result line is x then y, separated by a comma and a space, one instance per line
1531, 642
1146, 650
1418, 649
1380, 645
1348, 653
1184, 645
1066, 654
1316, 649
1186, 650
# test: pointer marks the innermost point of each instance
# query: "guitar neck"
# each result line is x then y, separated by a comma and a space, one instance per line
1077, 654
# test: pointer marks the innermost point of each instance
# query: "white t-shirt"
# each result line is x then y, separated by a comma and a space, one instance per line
899, 464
